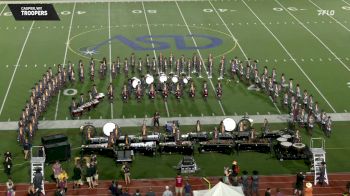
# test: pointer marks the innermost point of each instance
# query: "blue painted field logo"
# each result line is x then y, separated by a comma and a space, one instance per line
160, 42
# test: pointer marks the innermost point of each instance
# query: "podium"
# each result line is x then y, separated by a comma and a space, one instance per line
123, 156
319, 156
37, 161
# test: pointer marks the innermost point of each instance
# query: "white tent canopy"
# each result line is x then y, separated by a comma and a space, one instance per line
220, 189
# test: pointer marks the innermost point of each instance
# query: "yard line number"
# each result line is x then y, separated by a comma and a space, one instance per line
293, 9
141, 11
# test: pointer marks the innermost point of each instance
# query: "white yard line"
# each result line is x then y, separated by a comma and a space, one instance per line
65, 55
110, 51
289, 54
154, 51
330, 16
199, 53
2, 11
346, 2
14, 72
235, 40
324, 45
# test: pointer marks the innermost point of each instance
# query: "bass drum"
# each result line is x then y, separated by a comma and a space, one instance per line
163, 78
244, 125
149, 79
135, 81
175, 79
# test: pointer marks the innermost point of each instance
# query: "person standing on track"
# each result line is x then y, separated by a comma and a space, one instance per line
179, 185
299, 184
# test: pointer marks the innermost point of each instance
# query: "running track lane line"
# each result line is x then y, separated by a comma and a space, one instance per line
14, 72
293, 59
110, 51
65, 55
200, 55
154, 51
324, 45
235, 40
330, 16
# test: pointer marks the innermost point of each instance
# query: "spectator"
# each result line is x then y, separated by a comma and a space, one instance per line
137, 193
150, 192
26, 148
255, 183
57, 169
77, 176
94, 173
10, 187
31, 190
167, 192
268, 192
278, 192
126, 171
235, 172
245, 183
308, 189
38, 180
59, 192
63, 184
8, 163
120, 190
321, 178
178, 185
88, 176
113, 188
299, 184
188, 189
126, 192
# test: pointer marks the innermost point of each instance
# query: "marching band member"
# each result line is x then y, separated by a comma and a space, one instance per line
110, 90
139, 67
126, 67
104, 66
241, 70
64, 76
298, 92
195, 63
132, 62
297, 136
178, 92
148, 63
302, 117
138, 93
154, 66
72, 75
329, 126
189, 64
199, 70
152, 92
101, 70
222, 67
274, 75
256, 79
290, 88
310, 103
125, 94
270, 87
177, 67
205, 90
305, 98
247, 74
233, 68
165, 92
90, 95
144, 129
285, 100
81, 99
126, 141
216, 133
210, 66
324, 118
94, 90
171, 62
283, 82
192, 90
118, 65
114, 70
81, 71
73, 105
165, 65
160, 63
222, 127
178, 136
92, 70
198, 126
316, 112
219, 90
173, 128
182, 64
311, 123
276, 90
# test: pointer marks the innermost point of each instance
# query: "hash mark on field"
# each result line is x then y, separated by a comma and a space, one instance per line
93, 26
302, 60
7, 66
266, 60
312, 59
276, 60
54, 27
315, 22
347, 58
321, 59
329, 59
285, 60
47, 27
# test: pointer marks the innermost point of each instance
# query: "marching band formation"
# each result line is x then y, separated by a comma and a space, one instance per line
172, 76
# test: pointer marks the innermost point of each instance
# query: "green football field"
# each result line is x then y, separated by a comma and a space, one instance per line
308, 40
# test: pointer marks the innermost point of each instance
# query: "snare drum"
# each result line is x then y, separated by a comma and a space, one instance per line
299, 146
287, 136
281, 139
286, 144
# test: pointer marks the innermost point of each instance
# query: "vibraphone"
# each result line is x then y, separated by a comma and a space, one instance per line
184, 147
223, 146
146, 148
87, 106
102, 149
198, 137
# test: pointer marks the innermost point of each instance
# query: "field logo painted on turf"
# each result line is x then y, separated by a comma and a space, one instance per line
160, 42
